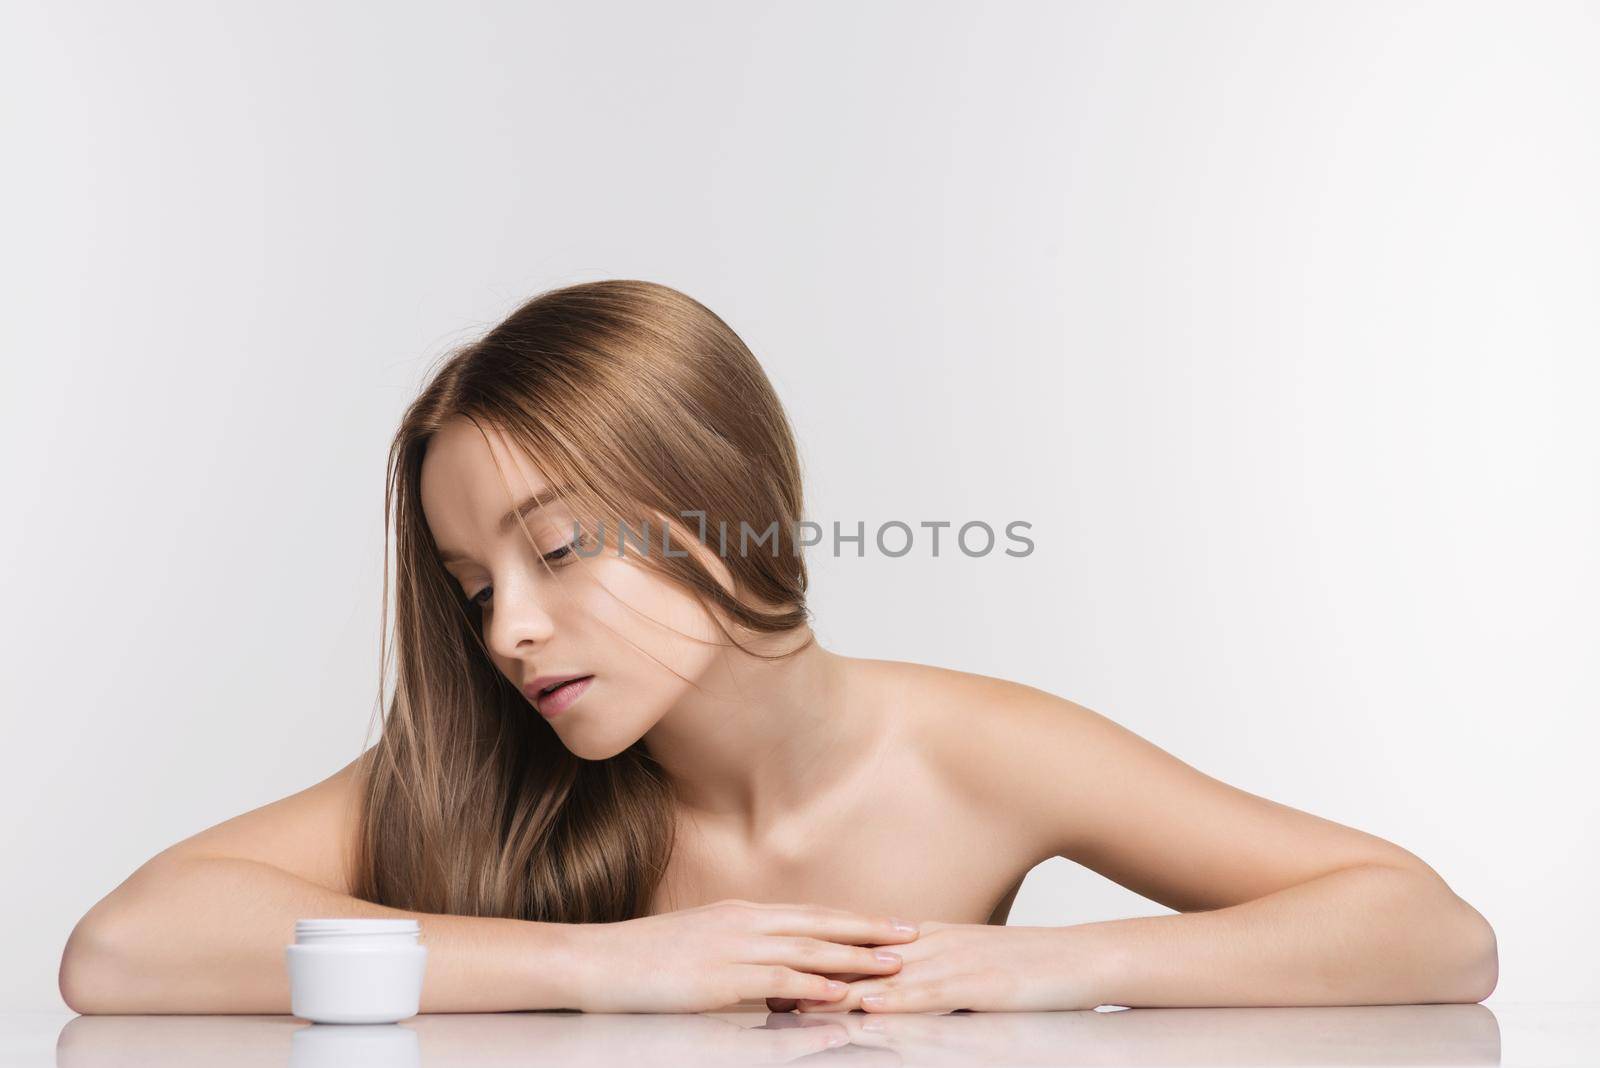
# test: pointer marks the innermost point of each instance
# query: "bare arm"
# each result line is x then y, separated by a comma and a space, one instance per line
1363, 935
206, 935
1275, 906
201, 927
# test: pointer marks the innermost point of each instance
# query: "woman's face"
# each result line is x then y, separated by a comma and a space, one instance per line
600, 615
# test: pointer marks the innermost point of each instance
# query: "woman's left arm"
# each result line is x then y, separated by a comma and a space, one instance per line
1275, 906
1367, 934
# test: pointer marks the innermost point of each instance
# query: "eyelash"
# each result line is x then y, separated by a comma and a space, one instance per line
554, 559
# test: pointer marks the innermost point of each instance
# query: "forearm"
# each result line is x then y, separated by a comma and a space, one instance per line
1360, 936
208, 936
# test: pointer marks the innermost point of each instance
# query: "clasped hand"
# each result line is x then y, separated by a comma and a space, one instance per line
982, 967
808, 958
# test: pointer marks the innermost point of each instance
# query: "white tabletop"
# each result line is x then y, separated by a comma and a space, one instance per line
1511, 1034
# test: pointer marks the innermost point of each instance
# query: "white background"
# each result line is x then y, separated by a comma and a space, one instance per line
1278, 322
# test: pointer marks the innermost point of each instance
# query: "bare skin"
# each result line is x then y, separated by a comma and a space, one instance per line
867, 789
818, 773
895, 832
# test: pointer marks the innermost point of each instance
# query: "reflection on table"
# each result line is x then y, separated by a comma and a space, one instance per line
1362, 1035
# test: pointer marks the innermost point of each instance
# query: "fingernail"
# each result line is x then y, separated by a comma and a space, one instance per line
872, 1001
903, 926
837, 1039
836, 987
876, 1026
887, 957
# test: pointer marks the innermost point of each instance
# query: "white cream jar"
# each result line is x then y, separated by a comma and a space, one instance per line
355, 970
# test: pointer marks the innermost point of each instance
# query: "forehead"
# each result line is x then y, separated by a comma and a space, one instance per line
465, 475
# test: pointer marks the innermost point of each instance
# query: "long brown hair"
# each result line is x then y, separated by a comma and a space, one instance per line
644, 404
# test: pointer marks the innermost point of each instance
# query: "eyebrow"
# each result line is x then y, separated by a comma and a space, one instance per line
537, 501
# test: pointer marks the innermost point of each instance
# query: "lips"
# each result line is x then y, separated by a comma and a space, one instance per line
546, 687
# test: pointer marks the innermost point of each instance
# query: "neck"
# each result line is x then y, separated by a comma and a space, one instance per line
760, 740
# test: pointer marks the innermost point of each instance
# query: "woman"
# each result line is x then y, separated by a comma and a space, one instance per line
618, 772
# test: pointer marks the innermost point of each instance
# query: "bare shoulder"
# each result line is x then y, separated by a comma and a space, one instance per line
310, 833
986, 738
1064, 780
947, 707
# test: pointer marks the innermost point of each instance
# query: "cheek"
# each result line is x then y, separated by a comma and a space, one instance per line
663, 622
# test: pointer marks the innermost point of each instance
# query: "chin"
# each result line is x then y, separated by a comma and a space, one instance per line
596, 748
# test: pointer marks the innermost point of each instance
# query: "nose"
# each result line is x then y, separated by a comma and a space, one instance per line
519, 621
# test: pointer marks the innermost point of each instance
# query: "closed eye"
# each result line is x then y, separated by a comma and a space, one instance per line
555, 558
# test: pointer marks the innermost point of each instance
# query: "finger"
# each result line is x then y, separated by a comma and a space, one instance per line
845, 1004
777, 981
823, 957
836, 925
789, 1004
931, 995
809, 1006
852, 998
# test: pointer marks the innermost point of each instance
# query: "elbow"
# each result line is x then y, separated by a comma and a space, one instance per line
1469, 954
85, 977
98, 975
106, 965
1482, 970
1457, 943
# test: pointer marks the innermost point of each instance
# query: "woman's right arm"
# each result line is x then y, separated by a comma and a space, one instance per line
207, 934
201, 928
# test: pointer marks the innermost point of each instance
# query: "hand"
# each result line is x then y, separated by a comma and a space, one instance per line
705, 958
978, 966
791, 1004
